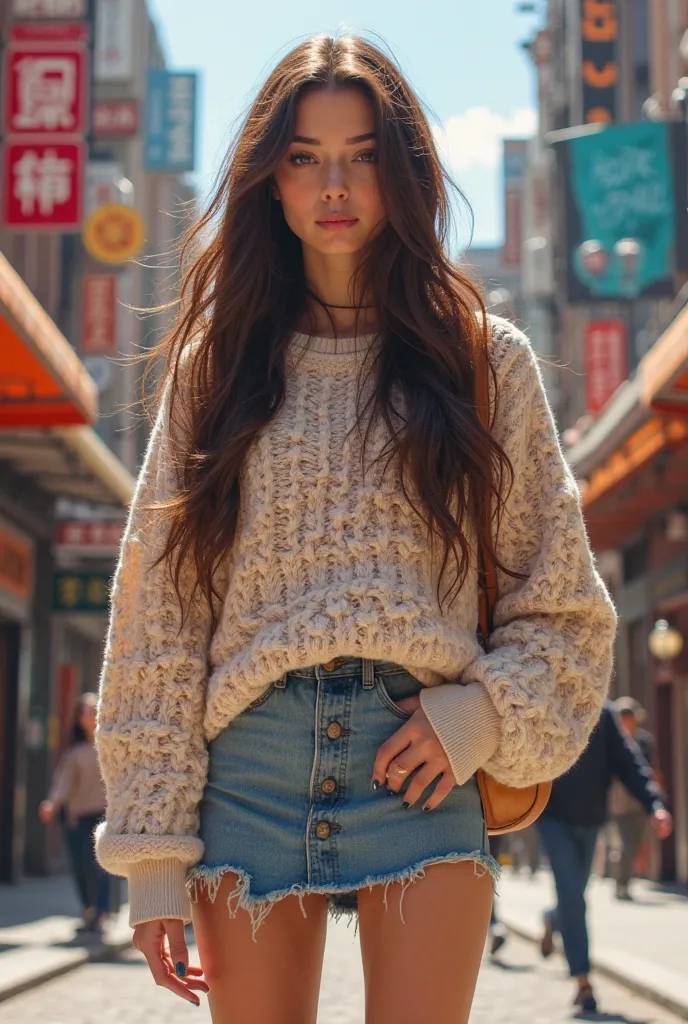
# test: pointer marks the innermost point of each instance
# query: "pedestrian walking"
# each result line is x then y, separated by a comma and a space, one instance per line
294, 699
569, 827
77, 796
628, 815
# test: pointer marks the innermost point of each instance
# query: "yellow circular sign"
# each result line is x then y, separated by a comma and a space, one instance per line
113, 233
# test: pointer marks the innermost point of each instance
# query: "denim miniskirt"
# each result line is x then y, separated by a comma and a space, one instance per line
289, 807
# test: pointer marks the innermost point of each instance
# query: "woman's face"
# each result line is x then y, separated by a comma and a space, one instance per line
327, 181
87, 719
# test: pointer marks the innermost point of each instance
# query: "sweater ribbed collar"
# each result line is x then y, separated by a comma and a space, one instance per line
332, 347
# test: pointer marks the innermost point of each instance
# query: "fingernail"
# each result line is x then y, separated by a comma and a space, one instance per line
427, 808
391, 792
406, 805
181, 970
374, 784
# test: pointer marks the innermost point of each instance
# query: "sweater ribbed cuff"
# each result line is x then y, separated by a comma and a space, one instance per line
466, 723
157, 890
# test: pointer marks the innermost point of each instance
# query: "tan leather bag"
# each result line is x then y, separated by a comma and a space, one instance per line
506, 808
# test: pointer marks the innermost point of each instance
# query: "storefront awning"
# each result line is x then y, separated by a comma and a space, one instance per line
665, 370
42, 380
633, 461
69, 462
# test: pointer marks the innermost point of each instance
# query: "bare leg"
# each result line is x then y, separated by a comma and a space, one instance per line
275, 979
425, 967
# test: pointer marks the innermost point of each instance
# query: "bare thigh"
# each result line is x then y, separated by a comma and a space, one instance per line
425, 967
274, 980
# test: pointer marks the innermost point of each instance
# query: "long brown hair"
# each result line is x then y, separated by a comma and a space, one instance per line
245, 294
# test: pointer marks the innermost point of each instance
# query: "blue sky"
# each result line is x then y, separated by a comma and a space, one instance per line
462, 57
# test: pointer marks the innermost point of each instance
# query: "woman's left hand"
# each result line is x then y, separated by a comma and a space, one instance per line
413, 746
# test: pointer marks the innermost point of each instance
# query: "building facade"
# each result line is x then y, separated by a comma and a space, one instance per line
619, 382
79, 256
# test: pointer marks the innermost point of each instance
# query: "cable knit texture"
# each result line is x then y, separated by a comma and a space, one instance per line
330, 561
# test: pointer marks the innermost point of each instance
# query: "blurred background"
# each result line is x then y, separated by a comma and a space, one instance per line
566, 126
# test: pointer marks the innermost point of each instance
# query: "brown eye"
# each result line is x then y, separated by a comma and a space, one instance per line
299, 159
368, 156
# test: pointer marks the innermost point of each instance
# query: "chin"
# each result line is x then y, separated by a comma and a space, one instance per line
336, 244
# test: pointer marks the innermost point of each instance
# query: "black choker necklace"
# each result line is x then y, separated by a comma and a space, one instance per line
332, 305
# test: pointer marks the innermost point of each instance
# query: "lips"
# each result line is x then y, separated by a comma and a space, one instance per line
337, 220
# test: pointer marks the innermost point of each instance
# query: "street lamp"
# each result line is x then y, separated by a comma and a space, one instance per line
665, 642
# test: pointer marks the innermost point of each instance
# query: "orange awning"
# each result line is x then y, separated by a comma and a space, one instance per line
42, 380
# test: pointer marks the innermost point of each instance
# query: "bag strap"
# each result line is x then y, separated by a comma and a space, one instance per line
487, 573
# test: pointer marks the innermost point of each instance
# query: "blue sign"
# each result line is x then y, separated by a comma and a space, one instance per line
170, 121
620, 185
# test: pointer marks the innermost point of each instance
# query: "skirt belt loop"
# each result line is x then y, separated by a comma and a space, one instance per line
368, 674
281, 682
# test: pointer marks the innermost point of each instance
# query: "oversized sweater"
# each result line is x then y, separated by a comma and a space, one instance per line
328, 561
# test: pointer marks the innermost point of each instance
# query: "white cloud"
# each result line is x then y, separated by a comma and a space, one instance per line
474, 139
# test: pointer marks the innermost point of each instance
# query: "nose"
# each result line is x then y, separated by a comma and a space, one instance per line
335, 186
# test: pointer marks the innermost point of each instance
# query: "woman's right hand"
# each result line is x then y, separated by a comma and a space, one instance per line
169, 963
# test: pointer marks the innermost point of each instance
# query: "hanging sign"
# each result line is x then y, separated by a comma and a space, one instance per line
113, 233
81, 591
606, 361
46, 91
99, 306
170, 121
114, 50
599, 22
43, 185
115, 117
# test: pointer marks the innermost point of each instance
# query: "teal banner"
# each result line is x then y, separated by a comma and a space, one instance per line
620, 186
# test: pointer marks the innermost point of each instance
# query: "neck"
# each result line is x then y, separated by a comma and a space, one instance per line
340, 309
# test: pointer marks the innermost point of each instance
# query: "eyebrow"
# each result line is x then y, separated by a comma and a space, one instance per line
306, 141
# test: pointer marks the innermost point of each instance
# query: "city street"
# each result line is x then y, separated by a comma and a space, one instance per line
518, 989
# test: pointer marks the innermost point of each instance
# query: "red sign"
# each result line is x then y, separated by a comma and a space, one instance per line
49, 32
99, 304
89, 536
606, 361
46, 91
43, 184
115, 117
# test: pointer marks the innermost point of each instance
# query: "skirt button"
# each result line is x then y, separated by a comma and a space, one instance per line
323, 830
329, 665
329, 786
334, 730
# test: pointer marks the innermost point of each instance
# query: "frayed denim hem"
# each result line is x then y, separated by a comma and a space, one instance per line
258, 908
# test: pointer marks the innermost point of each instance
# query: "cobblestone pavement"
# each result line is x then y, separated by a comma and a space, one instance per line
520, 989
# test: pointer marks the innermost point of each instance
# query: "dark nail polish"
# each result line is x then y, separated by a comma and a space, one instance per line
180, 969
406, 805
374, 784
391, 792
427, 808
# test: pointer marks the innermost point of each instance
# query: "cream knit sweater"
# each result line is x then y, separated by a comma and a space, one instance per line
329, 562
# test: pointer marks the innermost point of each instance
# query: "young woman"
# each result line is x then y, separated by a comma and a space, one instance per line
78, 791
294, 700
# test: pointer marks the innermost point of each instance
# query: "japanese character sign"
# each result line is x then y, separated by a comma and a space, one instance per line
43, 184
46, 91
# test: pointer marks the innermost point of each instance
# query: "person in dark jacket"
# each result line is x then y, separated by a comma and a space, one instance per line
569, 827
